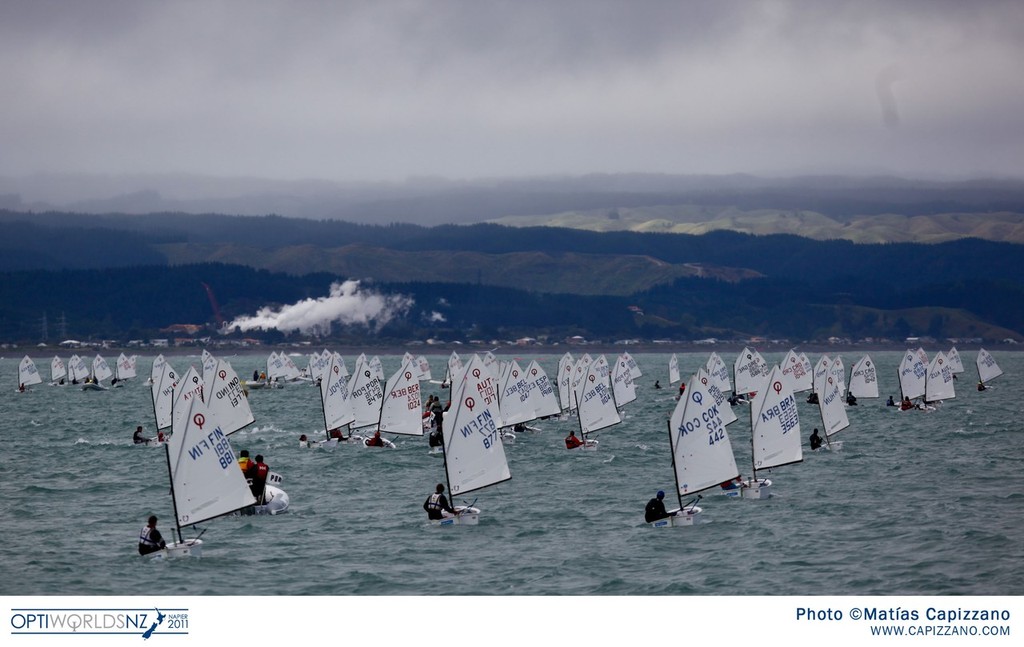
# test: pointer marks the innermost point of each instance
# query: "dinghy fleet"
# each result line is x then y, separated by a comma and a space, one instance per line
492, 400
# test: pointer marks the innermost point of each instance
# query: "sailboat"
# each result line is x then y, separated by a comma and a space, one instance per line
913, 374
205, 480
514, 401
939, 384
623, 383
797, 371
474, 456
100, 371
833, 411
163, 379
58, 371
673, 369
335, 401
775, 433
124, 369
564, 381
953, 356
864, 379
988, 370
702, 455
366, 394
402, 405
749, 369
27, 373
78, 371
595, 405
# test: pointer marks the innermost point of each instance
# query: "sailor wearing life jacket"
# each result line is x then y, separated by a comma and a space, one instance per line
436, 504
150, 539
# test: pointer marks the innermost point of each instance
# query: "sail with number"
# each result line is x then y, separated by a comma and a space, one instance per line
334, 395
987, 368
125, 367
164, 379
775, 424
833, 410
514, 396
750, 370
821, 371
542, 392
953, 357
78, 370
913, 373
720, 397
939, 385
473, 452
673, 369
225, 398
100, 369
718, 372
28, 374
623, 386
597, 408
864, 379
58, 371
402, 408
702, 455
564, 380
366, 394
797, 375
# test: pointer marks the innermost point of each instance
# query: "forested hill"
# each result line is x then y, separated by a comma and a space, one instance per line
118, 276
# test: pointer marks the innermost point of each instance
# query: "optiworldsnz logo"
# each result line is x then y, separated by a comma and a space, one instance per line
95, 622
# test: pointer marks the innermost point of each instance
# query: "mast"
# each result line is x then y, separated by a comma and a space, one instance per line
174, 500
672, 450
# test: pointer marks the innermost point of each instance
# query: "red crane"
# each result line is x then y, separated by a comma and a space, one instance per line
213, 304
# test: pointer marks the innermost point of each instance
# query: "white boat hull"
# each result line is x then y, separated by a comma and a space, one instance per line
680, 518
276, 502
467, 516
187, 548
756, 489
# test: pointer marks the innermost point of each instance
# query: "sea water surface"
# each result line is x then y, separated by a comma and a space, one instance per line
916, 503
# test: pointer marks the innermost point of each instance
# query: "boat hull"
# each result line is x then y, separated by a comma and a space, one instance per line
467, 516
179, 549
691, 516
756, 489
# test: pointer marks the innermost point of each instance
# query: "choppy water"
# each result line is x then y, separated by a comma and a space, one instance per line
915, 503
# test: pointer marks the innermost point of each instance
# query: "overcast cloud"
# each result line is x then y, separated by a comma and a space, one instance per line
389, 89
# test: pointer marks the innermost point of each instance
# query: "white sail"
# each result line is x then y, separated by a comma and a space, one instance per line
775, 424
402, 408
209, 365
493, 388
366, 395
100, 369
125, 367
796, 374
564, 379
838, 371
473, 452
58, 370
953, 356
77, 368
334, 395
939, 385
579, 373
423, 366
718, 372
204, 474
622, 382
673, 369
542, 393
987, 368
157, 369
913, 374
225, 398
597, 404
318, 364
833, 411
454, 366
275, 366
821, 372
634, 368
376, 367
515, 396
750, 370
701, 451
721, 398
864, 379
162, 391
189, 387
28, 374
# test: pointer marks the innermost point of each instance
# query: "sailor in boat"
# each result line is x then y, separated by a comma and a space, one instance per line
244, 462
21, 387
150, 539
259, 473
981, 385
572, 442
303, 441
656, 508
376, 441
437, 505
138, 438
851, 399
889, 402
337, 433
657, 384
815, 439
682, 390
812, 398
906, 404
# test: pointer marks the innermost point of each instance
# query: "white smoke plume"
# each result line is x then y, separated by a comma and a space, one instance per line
346, 304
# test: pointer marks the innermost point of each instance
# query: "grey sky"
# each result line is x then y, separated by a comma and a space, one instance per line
466, 89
